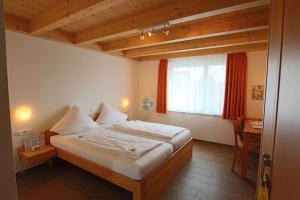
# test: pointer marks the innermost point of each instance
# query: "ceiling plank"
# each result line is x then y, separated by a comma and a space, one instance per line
20, 25
16, 24
59, 35
218, 50
175, 11
239, 21
67, 12
230, 39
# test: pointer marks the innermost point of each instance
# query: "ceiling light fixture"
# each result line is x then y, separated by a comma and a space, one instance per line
151, 31
166, 30
142, 36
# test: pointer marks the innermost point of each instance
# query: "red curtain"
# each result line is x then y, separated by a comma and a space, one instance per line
234, 103
161, 106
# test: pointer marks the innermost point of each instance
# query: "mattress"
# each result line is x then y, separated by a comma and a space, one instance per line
178, 141
135, 169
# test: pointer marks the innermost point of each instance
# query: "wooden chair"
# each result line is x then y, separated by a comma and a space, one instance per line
238, 127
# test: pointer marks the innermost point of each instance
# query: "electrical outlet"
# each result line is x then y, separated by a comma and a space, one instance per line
23, 132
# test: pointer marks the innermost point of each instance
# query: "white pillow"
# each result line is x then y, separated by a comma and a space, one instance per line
110, 115
73, 122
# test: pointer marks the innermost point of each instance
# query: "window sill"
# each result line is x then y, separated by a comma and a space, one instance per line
200, 114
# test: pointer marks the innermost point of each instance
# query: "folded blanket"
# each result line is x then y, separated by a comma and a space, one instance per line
128, 146
152, 129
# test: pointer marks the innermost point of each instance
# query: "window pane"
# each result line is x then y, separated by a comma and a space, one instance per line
197, 84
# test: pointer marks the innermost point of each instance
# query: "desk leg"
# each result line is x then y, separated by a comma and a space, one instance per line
245, 156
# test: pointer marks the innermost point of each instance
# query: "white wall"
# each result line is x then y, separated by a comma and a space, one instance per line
256, 74
48, 76
203, 127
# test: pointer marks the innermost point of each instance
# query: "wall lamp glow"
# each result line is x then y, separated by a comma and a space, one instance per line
23, 113
125, 103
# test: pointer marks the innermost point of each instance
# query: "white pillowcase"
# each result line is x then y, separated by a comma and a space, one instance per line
74, 122
111, 116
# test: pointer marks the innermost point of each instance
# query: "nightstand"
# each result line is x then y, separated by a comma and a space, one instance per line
33, 157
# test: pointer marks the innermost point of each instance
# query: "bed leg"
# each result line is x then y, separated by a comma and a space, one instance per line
137, 193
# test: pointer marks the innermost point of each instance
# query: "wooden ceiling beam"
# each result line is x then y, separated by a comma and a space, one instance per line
16, 24
239, 21
197, 44
20, 25
218, 50
67, 12
175, 11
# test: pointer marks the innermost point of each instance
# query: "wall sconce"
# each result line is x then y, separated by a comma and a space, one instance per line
125, 104
23, 113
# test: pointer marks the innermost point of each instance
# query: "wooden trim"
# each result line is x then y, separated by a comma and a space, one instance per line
151, 186
67, 12
235, 22
158, 180
174, 11
218, 50
197, 44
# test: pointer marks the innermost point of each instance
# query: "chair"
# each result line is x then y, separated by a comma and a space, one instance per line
238, 127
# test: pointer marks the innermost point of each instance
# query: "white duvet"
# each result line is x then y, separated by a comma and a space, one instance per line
128, 146
147, 128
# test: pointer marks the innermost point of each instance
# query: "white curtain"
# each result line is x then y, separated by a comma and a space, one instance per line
197, 84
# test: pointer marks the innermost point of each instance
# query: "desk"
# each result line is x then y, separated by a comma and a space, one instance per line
249, 132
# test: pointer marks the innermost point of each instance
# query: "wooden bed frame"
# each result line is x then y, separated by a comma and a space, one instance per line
147, 189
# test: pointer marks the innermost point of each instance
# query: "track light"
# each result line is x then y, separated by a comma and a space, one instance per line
150, 31
166, 30
142, 36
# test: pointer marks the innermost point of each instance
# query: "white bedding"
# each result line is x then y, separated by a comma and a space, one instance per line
148, 128
135, 169
177, 141
128, 146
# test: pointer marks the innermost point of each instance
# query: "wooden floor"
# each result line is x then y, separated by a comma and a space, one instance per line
206, 177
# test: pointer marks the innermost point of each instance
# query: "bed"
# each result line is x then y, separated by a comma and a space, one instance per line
148, 187
146, 183
136, 169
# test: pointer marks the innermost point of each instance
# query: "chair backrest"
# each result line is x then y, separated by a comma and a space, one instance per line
238, 127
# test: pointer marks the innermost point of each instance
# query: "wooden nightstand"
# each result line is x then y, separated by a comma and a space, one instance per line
32, 157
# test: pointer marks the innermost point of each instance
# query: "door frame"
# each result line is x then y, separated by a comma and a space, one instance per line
8, 188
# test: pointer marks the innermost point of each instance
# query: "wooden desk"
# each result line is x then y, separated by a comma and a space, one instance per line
249, 132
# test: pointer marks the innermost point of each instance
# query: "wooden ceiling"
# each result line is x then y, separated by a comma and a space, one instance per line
197, 27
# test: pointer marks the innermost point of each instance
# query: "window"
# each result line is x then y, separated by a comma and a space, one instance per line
197, 84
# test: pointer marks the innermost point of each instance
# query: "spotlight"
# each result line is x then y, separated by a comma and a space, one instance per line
166, 30
142, 36
153, 32
150, 34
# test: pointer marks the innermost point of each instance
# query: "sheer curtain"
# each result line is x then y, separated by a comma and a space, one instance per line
197, 84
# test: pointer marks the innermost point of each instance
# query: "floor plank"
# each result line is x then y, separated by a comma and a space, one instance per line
206, 177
